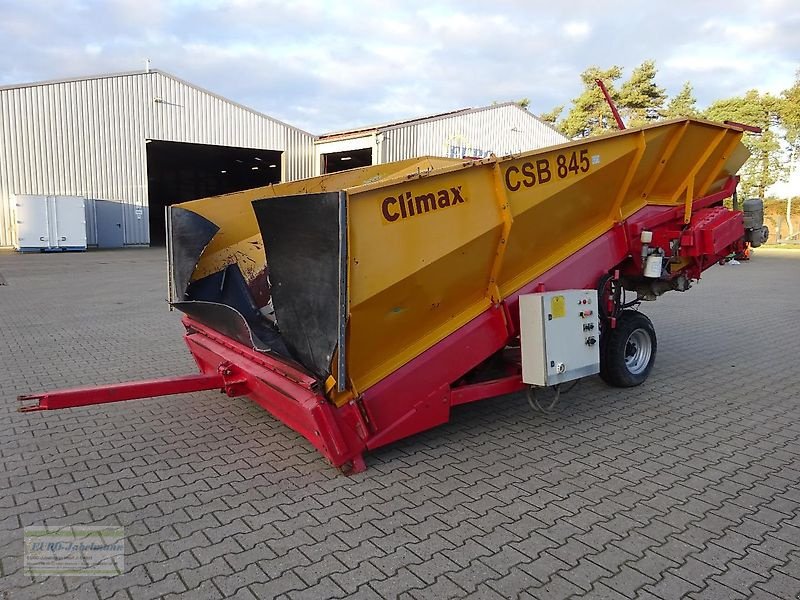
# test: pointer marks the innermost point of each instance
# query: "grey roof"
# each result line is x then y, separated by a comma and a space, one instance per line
150, 72
334, 134
394, 124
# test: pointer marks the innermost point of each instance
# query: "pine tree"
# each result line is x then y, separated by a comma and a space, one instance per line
683, 104
552, 116
590, 113
789, 110
766, 164
640, 99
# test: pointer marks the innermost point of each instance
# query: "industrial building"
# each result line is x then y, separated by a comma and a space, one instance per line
143, 140
498, 129
133, 143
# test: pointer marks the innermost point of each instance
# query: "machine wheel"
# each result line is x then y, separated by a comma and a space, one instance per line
627, 353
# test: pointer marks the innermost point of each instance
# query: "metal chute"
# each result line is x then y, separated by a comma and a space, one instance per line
305, 242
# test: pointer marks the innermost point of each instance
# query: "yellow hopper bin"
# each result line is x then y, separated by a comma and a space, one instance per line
394, 258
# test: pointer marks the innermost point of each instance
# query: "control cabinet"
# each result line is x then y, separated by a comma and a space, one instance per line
559, 335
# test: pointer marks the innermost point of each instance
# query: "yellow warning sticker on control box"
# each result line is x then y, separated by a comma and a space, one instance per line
558, 307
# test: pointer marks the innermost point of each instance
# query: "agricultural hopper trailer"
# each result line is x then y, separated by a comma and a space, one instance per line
360, 307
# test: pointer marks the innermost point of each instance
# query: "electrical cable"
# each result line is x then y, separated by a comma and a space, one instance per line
619, 297
616, 292
533, 401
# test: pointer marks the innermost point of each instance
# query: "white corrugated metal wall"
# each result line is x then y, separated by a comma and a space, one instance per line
501, 129
87, 137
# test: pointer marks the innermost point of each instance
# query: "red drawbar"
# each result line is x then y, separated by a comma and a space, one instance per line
118, 392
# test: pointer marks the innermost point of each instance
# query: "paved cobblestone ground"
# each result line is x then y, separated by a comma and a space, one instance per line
686, 487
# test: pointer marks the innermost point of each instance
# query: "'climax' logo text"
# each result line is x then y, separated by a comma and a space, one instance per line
406, 205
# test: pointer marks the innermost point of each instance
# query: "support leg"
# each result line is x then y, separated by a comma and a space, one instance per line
355, 466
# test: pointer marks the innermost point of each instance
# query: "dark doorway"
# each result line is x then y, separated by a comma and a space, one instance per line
177, 172
341, 161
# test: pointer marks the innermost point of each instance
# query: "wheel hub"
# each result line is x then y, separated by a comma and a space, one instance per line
638, 350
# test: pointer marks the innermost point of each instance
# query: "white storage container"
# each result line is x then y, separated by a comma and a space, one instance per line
46, 223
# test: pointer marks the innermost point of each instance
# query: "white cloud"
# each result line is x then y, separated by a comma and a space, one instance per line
755, 35
329, 65
735, 69
706, 61
576, 30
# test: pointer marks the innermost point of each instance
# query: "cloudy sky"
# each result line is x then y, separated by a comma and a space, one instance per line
329, 65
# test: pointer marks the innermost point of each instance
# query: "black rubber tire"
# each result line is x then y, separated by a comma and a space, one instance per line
614, 348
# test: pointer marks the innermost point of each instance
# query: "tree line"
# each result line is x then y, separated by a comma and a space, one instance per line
641, 100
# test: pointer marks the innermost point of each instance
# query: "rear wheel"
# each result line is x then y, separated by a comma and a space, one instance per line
627, 352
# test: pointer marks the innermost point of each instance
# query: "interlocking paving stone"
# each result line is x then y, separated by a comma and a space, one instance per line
687, 486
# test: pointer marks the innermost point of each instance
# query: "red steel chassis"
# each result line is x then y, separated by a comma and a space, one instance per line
420, 394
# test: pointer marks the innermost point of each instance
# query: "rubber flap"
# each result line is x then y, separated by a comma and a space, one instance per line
231, 323
304, 245
189, 235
